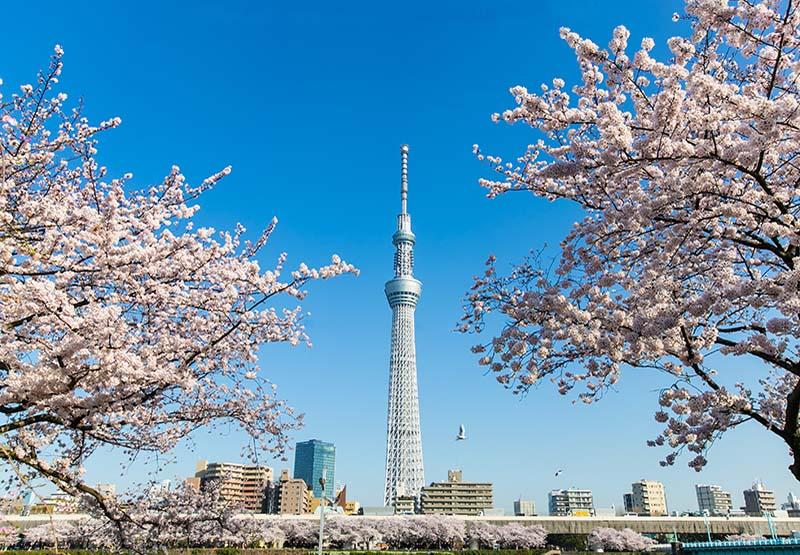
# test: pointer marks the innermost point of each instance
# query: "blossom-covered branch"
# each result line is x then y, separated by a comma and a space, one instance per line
124, 324
687, 171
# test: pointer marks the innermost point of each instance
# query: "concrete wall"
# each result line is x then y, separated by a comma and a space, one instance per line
554, 525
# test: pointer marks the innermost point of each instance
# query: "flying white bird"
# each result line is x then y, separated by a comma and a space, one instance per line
461, 433
559, 471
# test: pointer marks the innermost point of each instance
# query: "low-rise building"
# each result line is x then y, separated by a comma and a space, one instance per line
759, 500
792, 505
60, 503
649, 498
713, 500
570, 502
627, 502
352, 507
192, 482
524, 507
456, 497
405, 505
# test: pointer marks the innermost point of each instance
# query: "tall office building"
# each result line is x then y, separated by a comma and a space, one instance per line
759, 500
310, 459
404, 469
524, 507
713, 500
239, 484
571, 502
456, 497
649, 498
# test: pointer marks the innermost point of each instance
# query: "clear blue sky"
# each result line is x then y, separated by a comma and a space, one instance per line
309, 101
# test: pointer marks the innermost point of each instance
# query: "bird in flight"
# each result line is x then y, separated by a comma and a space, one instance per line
462, 434
559, 471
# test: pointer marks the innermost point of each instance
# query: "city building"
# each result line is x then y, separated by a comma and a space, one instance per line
295, 497
239, 484
312, 458
376, 511
456, 497
107, 490
759, 500
570, 502
792, 502
524, 507
405, 474
272, 494
11, 506
405, 505
649, 498
159, 488
627, 502
792, 506
55, 503
713, 500
347, 507
288, 496
352, 507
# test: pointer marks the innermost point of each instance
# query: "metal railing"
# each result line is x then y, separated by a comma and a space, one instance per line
742, 543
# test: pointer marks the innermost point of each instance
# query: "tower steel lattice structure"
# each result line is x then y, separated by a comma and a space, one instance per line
404, 468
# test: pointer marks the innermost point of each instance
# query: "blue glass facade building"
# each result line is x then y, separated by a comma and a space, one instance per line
310, 457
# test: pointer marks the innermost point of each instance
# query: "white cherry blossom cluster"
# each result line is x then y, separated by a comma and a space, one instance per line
186, 517
123, 324
686, 170
610, 539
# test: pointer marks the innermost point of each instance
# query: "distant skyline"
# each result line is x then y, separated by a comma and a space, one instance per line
309, 104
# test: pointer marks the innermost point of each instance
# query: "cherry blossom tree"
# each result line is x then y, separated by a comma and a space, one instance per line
51, 534
183, 516
519, 536
300, 533
125, 324
9, 536
481, 535
686, 170
610, 539
358, 533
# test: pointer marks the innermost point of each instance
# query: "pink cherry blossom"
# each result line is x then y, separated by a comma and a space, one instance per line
610, 539
124, 325
687, 254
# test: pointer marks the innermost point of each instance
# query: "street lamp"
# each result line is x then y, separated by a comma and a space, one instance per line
322, 509
708, 528
771, 525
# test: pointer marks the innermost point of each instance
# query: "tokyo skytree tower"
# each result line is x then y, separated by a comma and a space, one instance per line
404, 472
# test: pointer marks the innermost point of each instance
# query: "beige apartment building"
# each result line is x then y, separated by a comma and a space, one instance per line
241, 485
649, 498
294, 496
456, 497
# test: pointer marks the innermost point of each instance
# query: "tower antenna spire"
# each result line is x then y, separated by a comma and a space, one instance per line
403, 178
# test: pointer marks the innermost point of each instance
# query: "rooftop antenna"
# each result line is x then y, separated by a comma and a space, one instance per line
403, 178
